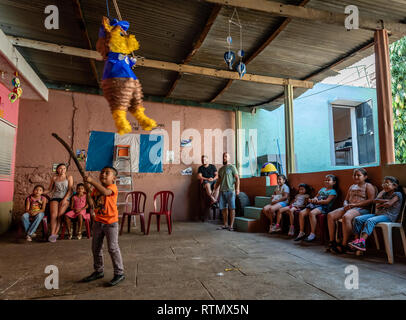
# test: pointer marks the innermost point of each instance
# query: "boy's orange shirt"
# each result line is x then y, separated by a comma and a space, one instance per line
106, 206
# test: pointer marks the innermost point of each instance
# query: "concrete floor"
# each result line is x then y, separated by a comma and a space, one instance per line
197, 262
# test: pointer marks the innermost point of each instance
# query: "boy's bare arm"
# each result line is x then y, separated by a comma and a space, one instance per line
103, 190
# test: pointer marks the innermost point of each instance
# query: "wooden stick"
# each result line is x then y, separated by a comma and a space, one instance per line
70, 151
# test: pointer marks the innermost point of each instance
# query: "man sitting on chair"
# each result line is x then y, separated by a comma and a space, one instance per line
207, 174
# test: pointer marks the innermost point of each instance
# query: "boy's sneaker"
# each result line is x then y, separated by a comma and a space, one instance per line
271, 227
291, 232
28, 238
300, 236
117, 279
360, 245
278, 228
310, 238
94, 276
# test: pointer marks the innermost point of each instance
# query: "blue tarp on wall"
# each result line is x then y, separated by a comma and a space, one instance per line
151, 146
100, 150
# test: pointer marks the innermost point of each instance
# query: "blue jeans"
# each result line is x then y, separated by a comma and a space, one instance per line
367, 222
31, 226
227, 200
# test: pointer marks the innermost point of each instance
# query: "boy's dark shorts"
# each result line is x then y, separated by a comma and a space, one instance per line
212, 183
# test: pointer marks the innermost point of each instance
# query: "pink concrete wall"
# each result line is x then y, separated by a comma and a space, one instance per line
10, 113
37, 150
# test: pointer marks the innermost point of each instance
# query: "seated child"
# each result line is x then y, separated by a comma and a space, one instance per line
34, 211
78, 210
358, 202
298, 203
279, 199
388, 206
321, 204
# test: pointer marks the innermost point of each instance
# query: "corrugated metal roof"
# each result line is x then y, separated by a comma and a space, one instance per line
167, 29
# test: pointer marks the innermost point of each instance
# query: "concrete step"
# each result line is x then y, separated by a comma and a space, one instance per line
252, 212
243, 224
261, 202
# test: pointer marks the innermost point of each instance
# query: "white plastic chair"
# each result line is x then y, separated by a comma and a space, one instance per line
387, 232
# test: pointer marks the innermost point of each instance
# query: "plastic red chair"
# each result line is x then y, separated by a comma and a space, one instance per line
166, 201
138, 199
86, 219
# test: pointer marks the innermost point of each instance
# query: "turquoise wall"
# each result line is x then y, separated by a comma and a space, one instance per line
311, 127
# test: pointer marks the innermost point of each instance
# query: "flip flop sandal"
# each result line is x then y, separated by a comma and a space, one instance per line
230, 229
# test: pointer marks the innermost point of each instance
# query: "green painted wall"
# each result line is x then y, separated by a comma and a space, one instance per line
311, 127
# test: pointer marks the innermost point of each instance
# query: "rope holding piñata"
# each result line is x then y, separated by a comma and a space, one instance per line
120, 85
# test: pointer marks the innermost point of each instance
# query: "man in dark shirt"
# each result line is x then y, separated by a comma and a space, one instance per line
207, 174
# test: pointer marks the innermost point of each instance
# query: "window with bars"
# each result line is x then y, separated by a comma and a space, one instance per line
7, 136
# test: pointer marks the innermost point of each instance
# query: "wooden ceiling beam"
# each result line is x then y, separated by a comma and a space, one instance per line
163, 65
321, 16
261, 48
197, 44
17, 62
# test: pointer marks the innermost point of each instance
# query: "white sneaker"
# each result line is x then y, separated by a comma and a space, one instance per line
277, 228
310, 237
28, 238
271, 228
291, 232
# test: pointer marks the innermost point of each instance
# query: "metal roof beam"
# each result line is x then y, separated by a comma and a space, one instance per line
321, 16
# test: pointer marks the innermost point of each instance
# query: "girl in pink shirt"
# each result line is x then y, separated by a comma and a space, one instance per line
78, 210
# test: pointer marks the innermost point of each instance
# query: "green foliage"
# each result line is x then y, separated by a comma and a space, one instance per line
398, 69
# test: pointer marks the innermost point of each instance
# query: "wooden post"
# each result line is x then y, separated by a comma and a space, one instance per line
384, 96
289, 133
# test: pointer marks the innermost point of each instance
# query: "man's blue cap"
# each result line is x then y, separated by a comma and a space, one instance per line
123, 24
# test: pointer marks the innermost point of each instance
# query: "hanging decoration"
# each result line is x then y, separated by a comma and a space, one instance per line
121, 87
229, 56
17, 91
